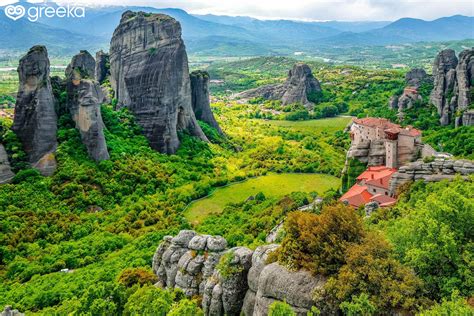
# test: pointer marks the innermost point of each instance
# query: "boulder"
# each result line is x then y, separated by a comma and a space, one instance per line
6, 173
276, 283
102, 66
298, 86
200, 99
241, 284
9, 311
150, 75
35, 121
84, 100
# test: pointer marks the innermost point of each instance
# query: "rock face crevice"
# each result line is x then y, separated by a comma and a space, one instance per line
200, 99
35, 121
235, 281
102, 66
84, 100
453, 80
150, 76
298, 86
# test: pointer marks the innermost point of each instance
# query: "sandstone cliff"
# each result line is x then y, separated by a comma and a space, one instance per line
150, 76
437, 170
35, 121
200, 98
235, 281
453, 79
84, 100
299, 85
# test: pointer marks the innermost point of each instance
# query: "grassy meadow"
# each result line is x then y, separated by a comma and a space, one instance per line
271, 185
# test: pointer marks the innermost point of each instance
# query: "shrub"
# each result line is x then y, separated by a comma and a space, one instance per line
225, 266
359, 305
318, 243
278, 308
132, 276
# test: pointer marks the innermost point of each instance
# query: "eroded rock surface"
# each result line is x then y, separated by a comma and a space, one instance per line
150, 76
6, 173
299, 85
453, 79
437, 170
35, 121
84, 100
235, 281
200, 98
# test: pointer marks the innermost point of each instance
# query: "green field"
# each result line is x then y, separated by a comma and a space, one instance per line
329, 125
272, 185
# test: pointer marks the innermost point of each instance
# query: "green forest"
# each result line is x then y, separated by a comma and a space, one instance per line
81, 242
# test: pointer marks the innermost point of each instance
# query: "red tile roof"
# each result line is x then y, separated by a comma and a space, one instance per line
383, 200
377, 176
357, 195
387, 126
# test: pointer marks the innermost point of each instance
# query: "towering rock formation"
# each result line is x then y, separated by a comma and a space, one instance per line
200, 98
102, 66
413, 79
35, 121
453, 79
235, 281
299, 85
84, 99
150, 76
6, 174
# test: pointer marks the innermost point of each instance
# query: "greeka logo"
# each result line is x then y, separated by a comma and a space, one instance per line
33, 13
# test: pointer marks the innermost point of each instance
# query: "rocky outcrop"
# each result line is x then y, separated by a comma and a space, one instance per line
371, 152
235, 281
413, 79
102, 66
200, 98
437, 170
9, 311
150, 76
35, 121
299, 85
84, 100
6, 173
453, 79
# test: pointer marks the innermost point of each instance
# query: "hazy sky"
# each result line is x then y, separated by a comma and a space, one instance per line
308, 9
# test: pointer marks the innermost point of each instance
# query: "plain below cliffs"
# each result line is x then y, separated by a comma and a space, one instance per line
231, 281
84, 100
150, 76
200, 99
298, 86
35, 121
453, 80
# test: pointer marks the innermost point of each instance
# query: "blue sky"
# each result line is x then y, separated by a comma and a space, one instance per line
352, 10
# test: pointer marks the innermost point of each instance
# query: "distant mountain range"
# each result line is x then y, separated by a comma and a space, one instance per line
226, 35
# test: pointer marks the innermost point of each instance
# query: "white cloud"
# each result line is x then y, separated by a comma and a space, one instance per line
308, 9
